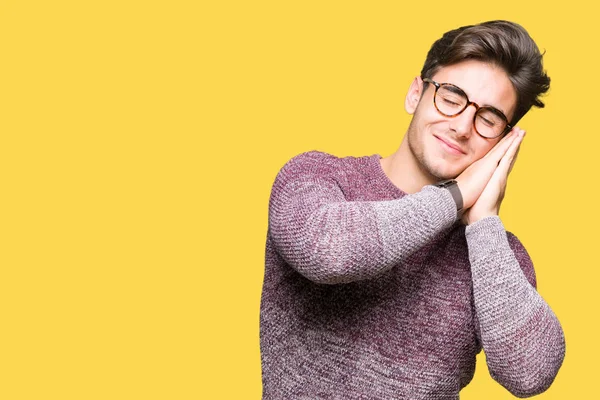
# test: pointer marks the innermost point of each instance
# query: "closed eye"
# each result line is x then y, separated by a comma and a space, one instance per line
486, 121
450, 102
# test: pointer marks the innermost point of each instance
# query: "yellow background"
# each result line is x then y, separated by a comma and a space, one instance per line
139, 142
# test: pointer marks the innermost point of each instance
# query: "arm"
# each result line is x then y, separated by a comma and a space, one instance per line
522, 338
331, 240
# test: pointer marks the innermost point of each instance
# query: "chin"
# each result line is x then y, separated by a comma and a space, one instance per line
441, 173
444, 177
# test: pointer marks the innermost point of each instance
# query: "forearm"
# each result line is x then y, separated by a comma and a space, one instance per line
330, 240
522, 338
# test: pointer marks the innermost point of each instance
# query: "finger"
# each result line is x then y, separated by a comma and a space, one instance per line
500, 175
508, 160
514, 159
500, 149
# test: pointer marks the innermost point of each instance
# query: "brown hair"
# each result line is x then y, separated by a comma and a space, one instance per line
503, 43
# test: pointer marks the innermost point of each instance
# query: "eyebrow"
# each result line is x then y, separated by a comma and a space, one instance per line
456, 90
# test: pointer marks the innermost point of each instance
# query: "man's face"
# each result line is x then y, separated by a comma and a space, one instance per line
446, 146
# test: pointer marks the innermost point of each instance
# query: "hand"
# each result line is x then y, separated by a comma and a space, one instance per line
488, 203
473, 180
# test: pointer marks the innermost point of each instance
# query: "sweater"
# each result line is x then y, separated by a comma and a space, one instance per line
372, 293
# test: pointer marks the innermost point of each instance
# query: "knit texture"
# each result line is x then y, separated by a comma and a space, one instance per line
371, 293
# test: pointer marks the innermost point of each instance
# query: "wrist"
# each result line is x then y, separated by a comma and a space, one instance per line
452, 186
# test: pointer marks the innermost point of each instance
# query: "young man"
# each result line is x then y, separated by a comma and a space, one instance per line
385, 277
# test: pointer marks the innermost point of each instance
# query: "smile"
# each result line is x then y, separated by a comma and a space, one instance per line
449, 147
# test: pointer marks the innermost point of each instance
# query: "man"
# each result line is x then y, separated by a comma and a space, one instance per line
385, 277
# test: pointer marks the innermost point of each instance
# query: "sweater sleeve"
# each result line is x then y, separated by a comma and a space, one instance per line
522, 339
331, 240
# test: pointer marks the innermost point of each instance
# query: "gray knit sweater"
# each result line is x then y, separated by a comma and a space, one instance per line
371, 293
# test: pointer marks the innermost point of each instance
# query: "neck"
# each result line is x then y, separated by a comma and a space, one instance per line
404, 170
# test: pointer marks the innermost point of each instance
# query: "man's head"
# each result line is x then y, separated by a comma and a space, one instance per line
498, 66
501, 43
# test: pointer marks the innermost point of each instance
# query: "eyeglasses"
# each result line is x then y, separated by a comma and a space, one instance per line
450, 101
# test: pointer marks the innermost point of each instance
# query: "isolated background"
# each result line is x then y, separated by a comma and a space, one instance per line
138, 144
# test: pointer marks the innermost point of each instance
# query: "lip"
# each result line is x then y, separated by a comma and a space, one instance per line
449, 146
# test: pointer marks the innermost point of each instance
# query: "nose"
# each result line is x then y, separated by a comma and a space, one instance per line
462, 124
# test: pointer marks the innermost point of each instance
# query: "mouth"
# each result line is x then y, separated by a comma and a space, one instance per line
449, 146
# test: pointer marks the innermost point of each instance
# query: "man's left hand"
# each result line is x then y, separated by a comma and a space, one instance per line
488, 203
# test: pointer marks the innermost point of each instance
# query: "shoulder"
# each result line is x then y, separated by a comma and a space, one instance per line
322, 160
324, 169
304, 170
314, 164
311, 159
523, 257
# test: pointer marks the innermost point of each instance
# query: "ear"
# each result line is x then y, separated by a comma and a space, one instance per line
414, 95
